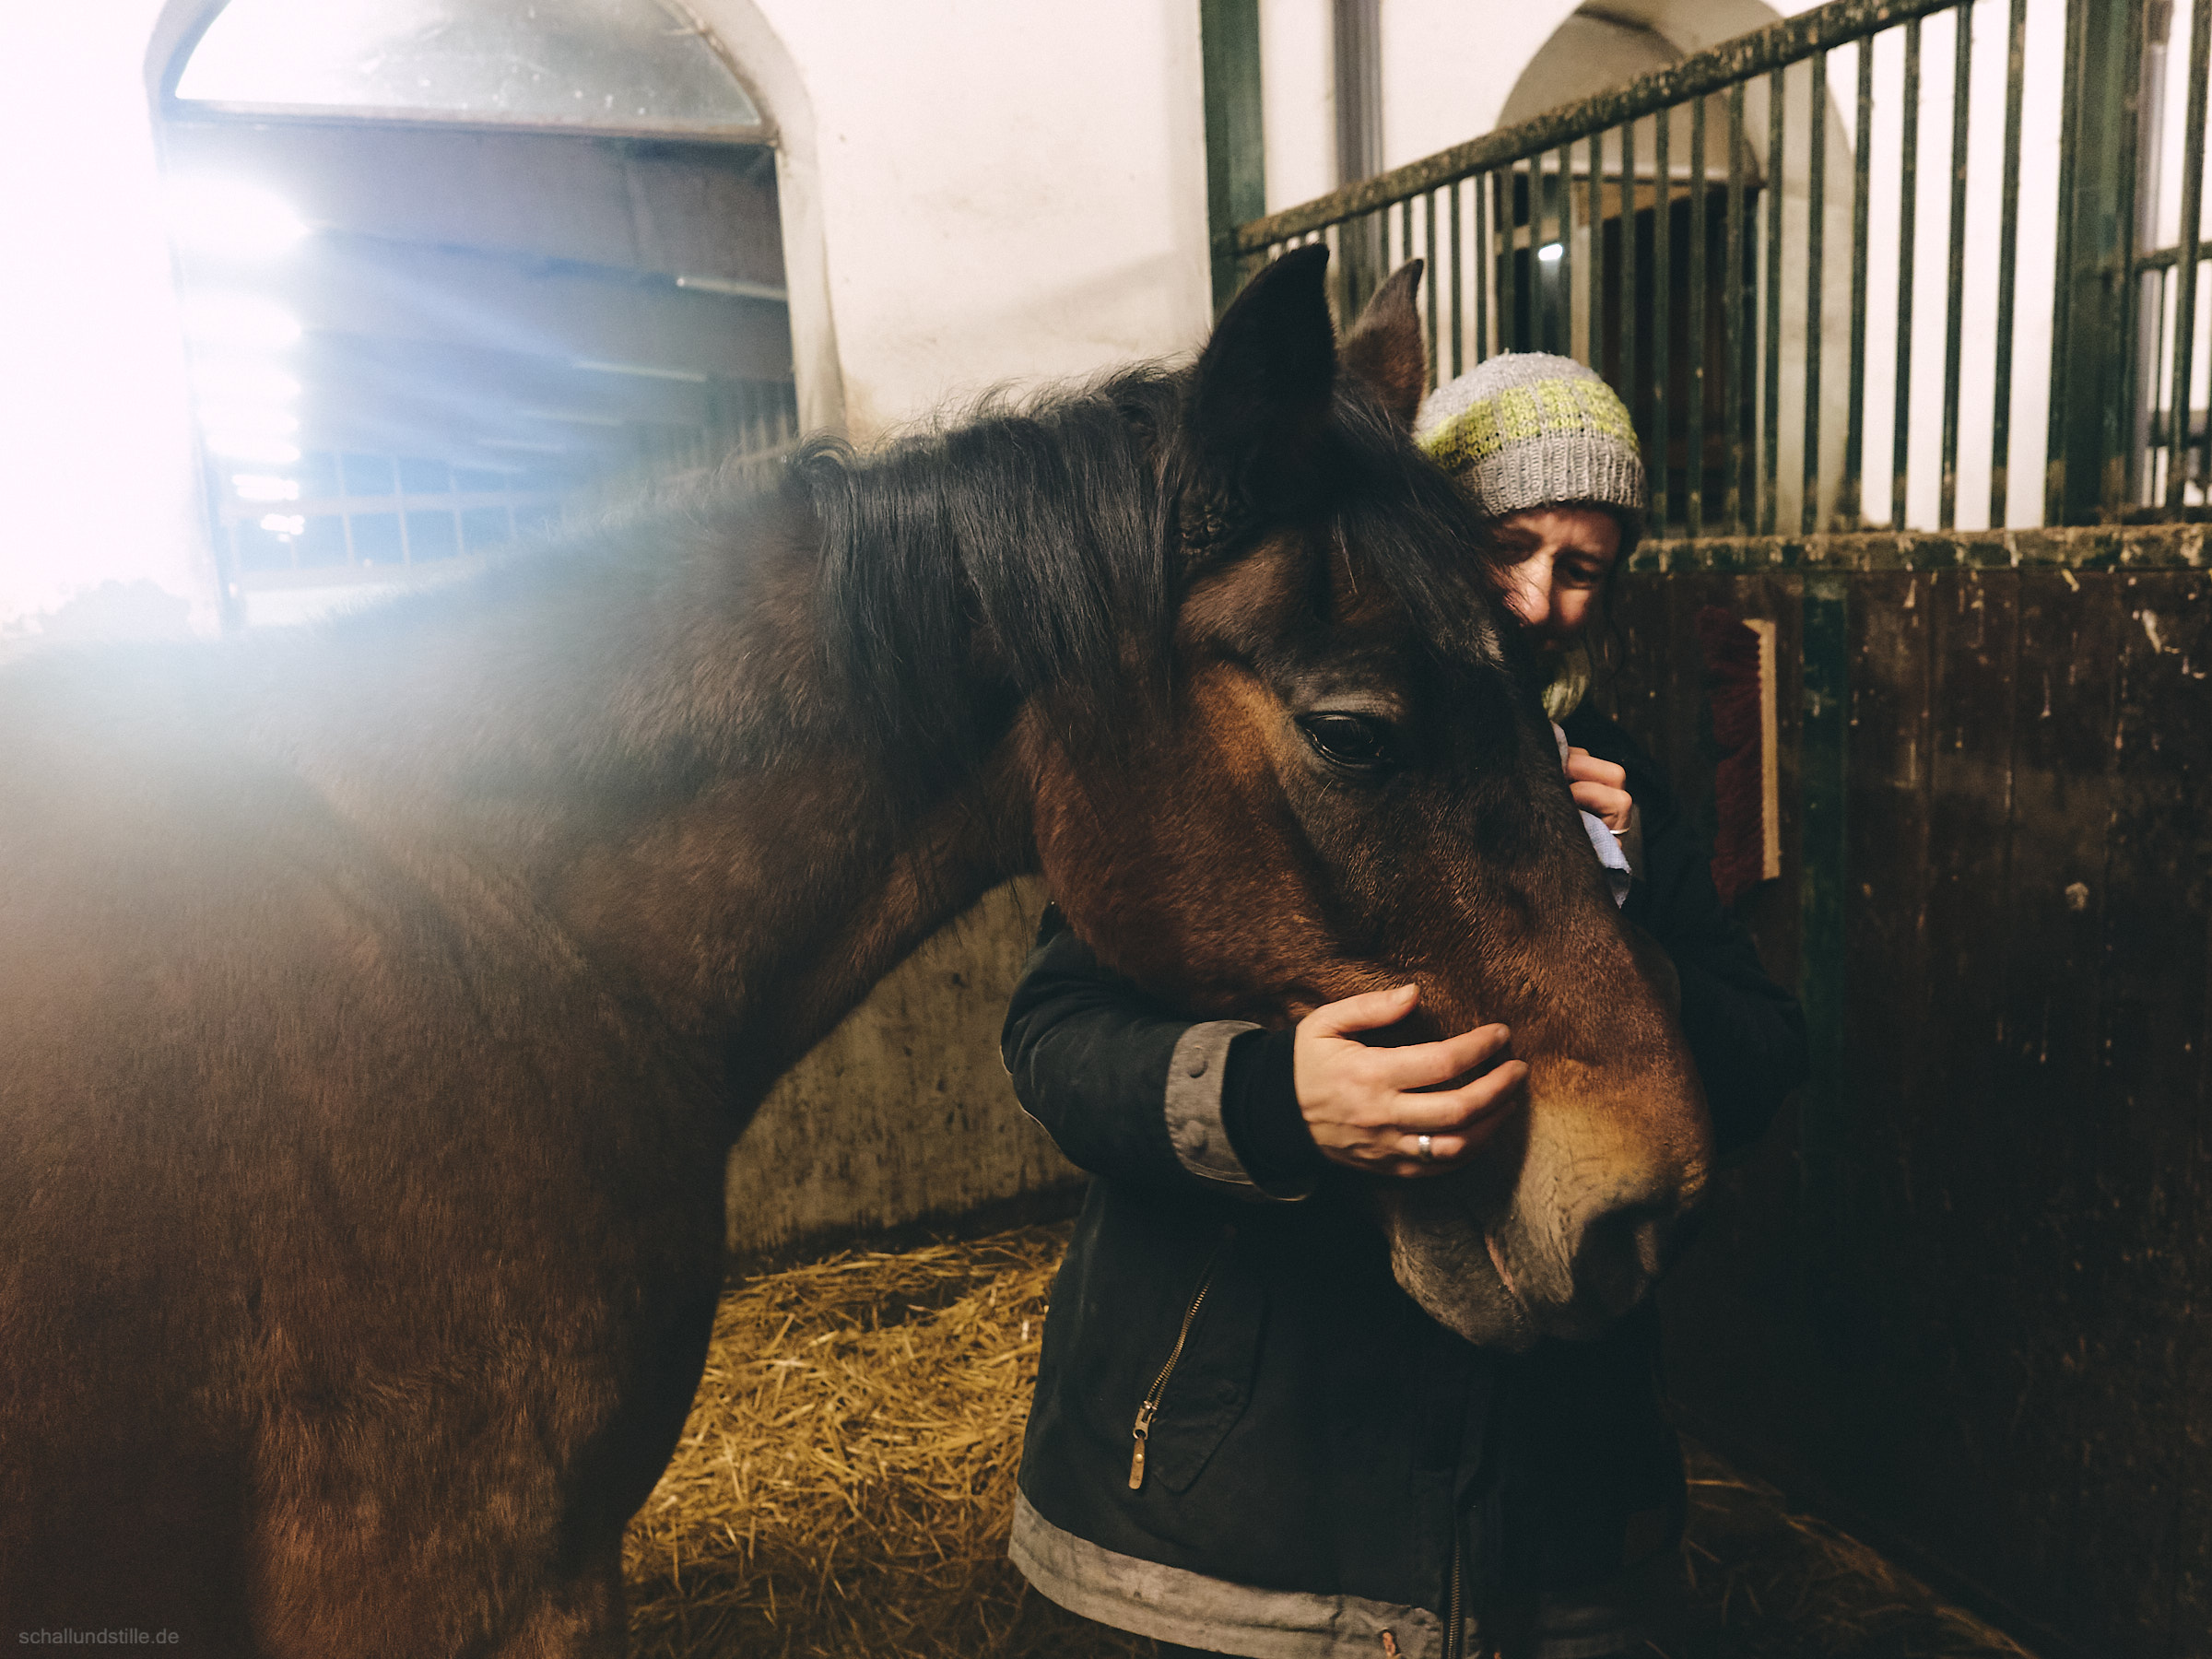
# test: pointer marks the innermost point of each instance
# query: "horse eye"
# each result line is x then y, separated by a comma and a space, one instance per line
1347, 739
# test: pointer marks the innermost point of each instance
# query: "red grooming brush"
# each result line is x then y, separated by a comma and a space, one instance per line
1739, 682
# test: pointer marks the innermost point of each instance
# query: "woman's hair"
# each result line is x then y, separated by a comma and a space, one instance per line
1580, 667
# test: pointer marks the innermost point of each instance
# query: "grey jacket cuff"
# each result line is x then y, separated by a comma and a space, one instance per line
1194, 1103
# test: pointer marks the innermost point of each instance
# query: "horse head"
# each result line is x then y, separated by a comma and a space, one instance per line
1342, 781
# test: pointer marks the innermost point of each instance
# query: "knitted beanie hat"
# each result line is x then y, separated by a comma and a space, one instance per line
1530, 429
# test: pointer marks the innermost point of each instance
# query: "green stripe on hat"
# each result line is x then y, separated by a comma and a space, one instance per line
1532, 430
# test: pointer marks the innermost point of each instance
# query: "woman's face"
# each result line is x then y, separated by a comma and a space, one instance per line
1561, 557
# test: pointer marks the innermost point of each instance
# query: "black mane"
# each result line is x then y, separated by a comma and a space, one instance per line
1064, 521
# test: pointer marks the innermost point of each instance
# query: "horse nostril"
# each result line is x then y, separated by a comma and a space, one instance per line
1686, 1230
1622, 1253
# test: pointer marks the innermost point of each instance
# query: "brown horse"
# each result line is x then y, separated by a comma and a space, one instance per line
377, 1006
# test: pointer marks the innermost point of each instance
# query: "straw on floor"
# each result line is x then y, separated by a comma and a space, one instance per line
845, 1481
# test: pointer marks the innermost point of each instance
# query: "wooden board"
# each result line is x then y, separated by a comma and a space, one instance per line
1969, 1309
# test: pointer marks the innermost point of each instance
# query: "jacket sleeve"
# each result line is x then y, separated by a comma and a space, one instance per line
1125, 1087
1745, 1032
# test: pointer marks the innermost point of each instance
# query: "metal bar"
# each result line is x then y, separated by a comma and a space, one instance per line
2119, 462
2149, 486
1595, 216
1236, 149
1509, 287
2157, 259
1770, 470
1540, 332
1564, 219
1541, 320
1484, 257
2008, 248
1850, 497
1458, 341
1374, 264
1428, 277
1908, 203
1733, 459
1712, 70
1630, 382
1815, 208
1963, 60
2193, 208
1693, 485
1662, 310
2057, 447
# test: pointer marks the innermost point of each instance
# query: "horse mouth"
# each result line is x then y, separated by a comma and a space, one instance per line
1469, 1292
1505, 1274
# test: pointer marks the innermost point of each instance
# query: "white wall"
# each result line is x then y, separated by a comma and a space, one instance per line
1009, 192
1297, 94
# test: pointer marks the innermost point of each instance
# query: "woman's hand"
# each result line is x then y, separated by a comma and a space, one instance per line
1361, 1104
1600, 789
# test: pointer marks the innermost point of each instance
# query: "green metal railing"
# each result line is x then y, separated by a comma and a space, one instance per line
1694, 236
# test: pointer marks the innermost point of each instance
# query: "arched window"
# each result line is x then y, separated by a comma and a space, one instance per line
622, 65
449, 264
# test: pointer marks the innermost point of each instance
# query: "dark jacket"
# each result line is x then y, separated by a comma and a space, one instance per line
1325, 1462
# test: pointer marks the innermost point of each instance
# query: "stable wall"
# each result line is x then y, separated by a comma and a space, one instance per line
1958, 1298
902, 1121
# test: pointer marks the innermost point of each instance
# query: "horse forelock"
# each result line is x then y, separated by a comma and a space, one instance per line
1394, 517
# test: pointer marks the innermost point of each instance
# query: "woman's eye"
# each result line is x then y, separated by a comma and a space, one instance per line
1347, 739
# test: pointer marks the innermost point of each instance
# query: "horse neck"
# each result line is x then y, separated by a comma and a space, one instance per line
646, 752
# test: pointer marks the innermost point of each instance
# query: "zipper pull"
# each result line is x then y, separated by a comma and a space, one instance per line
1136, 1454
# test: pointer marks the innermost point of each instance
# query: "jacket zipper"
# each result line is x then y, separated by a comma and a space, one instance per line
1142, 1431
1455, 1635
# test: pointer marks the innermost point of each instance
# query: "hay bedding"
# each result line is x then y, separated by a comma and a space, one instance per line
844, 1485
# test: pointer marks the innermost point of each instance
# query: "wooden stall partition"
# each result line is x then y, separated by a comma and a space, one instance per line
1961, 1296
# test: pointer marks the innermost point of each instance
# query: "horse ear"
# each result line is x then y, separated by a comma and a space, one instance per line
1384, 349
1260, 398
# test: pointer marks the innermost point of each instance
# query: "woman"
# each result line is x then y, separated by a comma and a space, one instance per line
1245, 1438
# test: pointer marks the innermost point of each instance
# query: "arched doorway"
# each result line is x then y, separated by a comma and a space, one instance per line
1704, 228
449, 264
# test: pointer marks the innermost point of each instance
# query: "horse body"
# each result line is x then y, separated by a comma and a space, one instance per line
378, 1006
360, 1192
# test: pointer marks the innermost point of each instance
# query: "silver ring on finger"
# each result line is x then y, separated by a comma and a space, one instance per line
1427, 1146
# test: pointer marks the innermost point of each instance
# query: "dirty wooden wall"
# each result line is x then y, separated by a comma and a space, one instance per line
903, 1117
1962, 1296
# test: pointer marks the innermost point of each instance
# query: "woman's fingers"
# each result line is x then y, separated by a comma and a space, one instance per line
1424, 1064
1583, 767
1367, 1108
1456, 1110
1600, 788
1610, 807
1368, 1011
